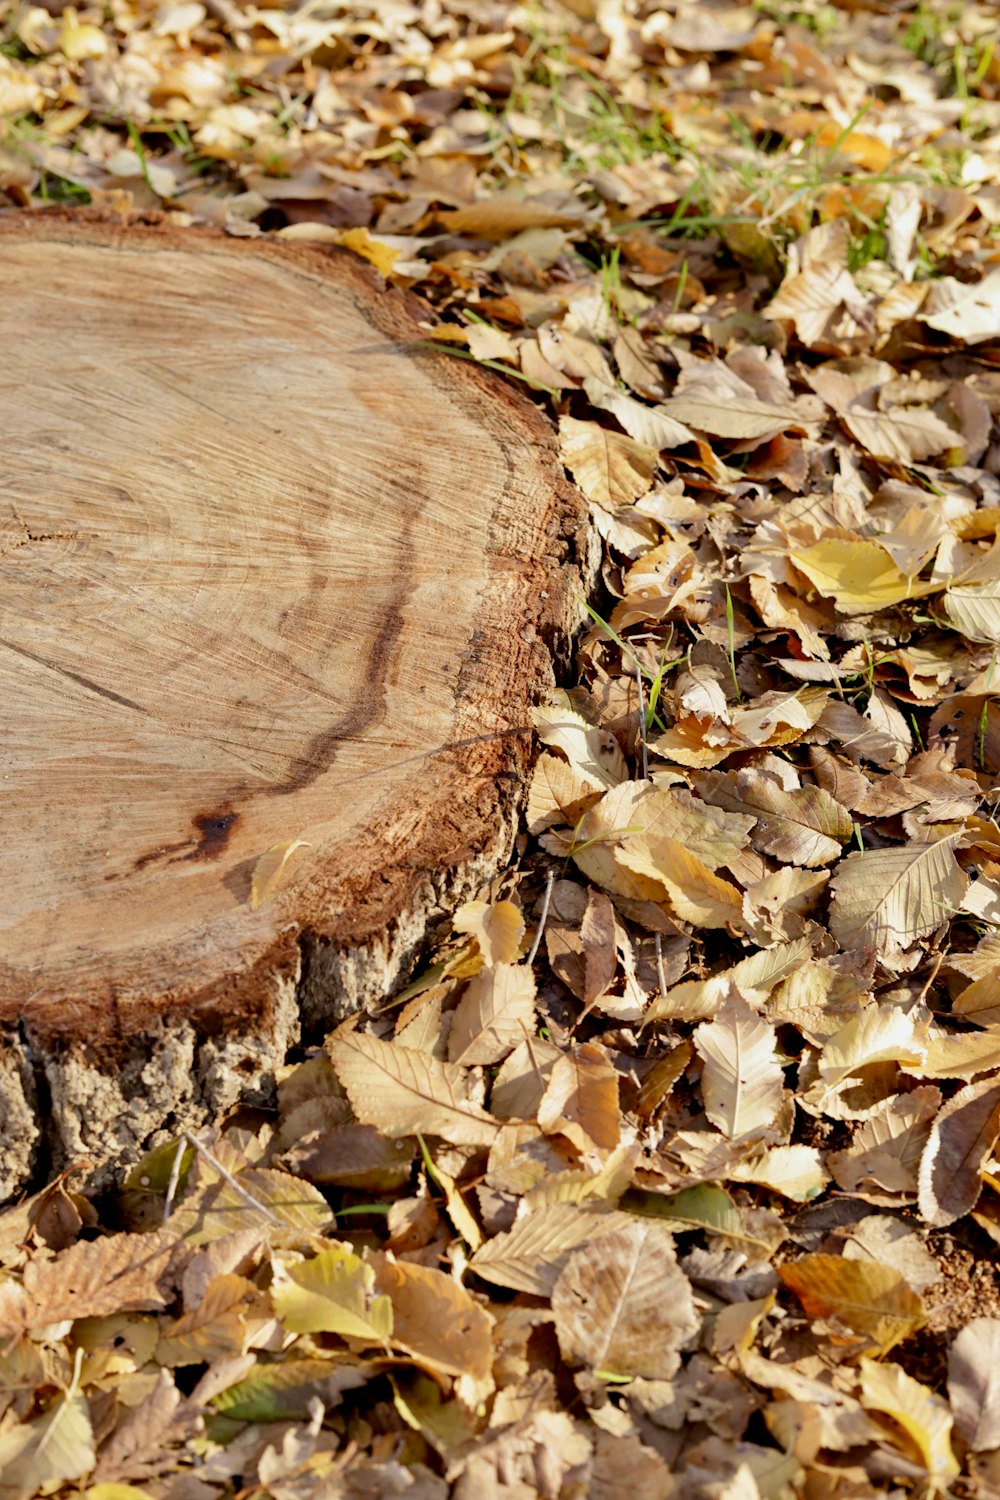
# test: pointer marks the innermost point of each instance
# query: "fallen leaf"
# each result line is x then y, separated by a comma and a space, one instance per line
497, 928
742, 1080
611, 469
861, 1302
960, 1141
622, 1307
529, 1257
497, 1007
890, 897
974, 1383
581, 1100
858, 575
924, 1417
402, 1092
334, 1292
268, 870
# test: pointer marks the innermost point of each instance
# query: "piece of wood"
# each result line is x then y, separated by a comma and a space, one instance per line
266, 574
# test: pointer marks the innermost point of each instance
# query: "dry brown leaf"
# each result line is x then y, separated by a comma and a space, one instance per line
804, 826
960, 1141
529, 1257
121, 1273
622, 1306
436, 1320
858, 1300
581, 1100
214, 1330
402, 1092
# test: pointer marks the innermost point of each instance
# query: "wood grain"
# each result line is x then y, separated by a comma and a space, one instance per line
266, 573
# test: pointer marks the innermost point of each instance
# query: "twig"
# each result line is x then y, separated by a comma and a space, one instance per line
642, 724
175, 1177
542, 919
660, 975
228, 1178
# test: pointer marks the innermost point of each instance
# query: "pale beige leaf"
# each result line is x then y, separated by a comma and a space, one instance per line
402, 1092
809, 298
974, 609
888, 1146
887, 898
742, 1082
494, 1013
623, 1307
498, 929
558, 794
923, 1416
529, 1257
902, 435
268, 870
969, 311
593, 754
651, 425
611, 469
797, 1172
961, 1139
695, 893
974, 1383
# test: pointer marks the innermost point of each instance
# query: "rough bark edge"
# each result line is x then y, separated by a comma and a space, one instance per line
61, 1103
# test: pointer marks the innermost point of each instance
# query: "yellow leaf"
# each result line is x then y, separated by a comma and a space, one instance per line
497, 928
924, 1417
333, 1293
383, 257
858, 575
268, 869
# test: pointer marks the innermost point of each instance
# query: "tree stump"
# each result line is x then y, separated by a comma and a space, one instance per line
267, 574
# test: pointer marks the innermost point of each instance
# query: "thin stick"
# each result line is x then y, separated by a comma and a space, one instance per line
659, 963
228, 1178
542, 919
175, 1177
642, 724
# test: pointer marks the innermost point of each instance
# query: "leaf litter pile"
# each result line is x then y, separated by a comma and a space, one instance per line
676, 1173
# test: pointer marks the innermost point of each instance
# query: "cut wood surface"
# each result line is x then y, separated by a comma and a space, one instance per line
268, 575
